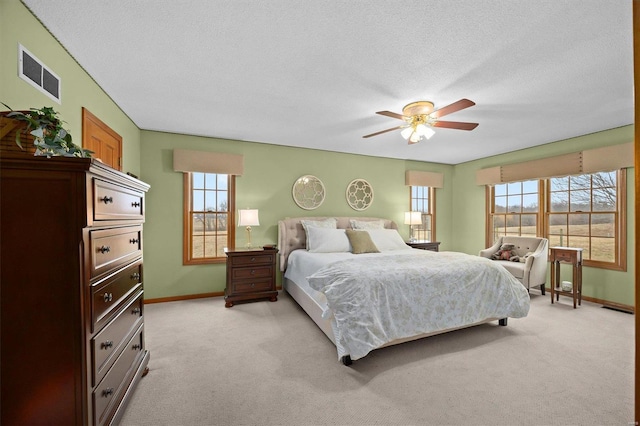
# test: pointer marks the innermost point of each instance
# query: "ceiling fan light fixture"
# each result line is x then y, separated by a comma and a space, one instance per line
415, 137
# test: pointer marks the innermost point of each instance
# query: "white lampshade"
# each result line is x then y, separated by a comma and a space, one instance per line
415, 137
412, 218
406, 133
428, 132
425, 131
248, 217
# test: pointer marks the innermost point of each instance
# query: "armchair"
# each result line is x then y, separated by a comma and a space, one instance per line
532, 272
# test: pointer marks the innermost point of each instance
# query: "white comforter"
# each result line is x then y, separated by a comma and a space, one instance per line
378, 299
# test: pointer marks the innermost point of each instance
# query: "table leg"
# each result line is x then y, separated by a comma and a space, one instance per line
580, 284
553, 280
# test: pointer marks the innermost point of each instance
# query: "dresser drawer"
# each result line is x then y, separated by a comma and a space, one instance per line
252, 260
252, 286
109, 342
110, 292
108, 393
251, 273
114, 202
113, 247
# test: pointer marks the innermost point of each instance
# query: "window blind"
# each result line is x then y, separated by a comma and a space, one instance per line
207, 162
589, 161
419, 178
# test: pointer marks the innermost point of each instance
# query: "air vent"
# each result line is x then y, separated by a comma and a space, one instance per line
37, 74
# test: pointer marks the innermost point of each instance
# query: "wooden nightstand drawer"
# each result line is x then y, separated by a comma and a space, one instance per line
248, 273
251, 260
252, 286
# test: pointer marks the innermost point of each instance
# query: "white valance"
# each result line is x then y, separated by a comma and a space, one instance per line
207, 162
419, 178
589, 161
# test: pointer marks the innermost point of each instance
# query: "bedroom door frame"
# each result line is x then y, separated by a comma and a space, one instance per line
636, 156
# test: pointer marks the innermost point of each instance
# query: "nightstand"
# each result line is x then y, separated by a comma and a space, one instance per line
251, 275
425, 245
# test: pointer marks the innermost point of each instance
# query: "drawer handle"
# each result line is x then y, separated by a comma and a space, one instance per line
106, 345
253, 259
136, 311
253, 285
106, 199
106, 392
108, 297
135, 204
253, 272
136, 347
104, 249
134, 240
135, 276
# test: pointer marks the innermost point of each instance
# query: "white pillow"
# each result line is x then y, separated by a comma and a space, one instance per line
366, 224
387, 239
323, 223
325, 240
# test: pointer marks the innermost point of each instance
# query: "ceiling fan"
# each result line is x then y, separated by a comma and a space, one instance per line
420, 118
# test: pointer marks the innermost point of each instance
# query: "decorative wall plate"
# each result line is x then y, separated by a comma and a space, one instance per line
308, 192
359, 194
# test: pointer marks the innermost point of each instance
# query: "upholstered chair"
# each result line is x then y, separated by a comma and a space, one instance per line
533, 271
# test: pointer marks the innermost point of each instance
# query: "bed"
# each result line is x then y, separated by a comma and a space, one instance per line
366, 296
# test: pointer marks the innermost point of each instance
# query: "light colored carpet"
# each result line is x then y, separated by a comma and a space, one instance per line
267, 363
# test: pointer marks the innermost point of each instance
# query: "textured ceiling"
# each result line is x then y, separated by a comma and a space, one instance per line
313, 73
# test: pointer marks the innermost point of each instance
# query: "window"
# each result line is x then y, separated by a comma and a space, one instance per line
515, 209
423, 200
208, 217
585, 212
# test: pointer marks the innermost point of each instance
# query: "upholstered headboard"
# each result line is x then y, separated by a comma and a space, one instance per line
291, 235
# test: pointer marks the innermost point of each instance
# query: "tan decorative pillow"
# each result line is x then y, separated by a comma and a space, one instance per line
361, 242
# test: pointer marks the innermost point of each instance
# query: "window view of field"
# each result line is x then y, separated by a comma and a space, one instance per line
209, 215
582, 212
420, 202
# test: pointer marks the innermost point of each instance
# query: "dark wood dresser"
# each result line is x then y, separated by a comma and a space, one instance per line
251, 275
71, 276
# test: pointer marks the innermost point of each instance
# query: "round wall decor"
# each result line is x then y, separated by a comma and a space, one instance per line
308, 192
359, 194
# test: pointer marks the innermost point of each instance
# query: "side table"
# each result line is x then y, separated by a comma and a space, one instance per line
425, 245
574, 257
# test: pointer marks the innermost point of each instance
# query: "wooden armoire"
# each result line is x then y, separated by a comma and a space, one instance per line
71, 275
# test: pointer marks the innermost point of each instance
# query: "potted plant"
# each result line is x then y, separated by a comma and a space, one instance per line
50, 138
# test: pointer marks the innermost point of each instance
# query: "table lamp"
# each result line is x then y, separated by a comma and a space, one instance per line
248, 218
412, 218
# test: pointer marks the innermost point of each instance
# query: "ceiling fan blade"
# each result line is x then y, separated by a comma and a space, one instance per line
451, 108
383, 131
459, 125
391, 114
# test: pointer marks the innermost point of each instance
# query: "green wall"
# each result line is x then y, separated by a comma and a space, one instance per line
270, 171
469, 210
19, 26
266, 185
